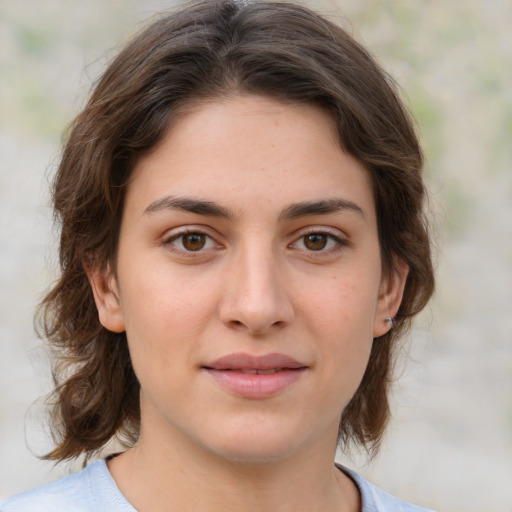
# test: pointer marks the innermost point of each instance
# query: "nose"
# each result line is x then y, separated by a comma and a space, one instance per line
255, 296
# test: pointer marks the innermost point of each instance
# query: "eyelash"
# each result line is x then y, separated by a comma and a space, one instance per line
339, 243
177, 236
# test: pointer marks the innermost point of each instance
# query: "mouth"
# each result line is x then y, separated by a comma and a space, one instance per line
252, 371
255, 377
247, 363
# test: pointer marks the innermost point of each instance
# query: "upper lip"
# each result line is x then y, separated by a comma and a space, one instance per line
243, 361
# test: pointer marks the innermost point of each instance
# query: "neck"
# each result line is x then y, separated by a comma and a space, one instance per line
178, 474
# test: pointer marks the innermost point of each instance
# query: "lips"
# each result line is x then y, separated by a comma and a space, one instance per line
250, 376
266, 362
259, 372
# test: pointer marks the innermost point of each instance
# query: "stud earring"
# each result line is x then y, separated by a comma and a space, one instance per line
391, 320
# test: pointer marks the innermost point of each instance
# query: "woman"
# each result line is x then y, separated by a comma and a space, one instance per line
243, 244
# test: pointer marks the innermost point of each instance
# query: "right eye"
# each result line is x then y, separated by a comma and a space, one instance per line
191, 241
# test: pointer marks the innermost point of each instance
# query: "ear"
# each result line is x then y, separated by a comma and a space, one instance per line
390, 297
106, 295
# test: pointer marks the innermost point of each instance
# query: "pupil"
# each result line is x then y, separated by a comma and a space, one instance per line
315, 242
193, 241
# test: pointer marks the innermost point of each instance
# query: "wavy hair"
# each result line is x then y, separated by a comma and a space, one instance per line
209, 50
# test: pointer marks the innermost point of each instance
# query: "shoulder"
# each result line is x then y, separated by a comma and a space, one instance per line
71, 493
90, 490
377, 500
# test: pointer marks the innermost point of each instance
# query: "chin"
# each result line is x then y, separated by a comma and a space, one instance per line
255, 453
255, 445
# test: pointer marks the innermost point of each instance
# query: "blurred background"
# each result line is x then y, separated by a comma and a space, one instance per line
449, 445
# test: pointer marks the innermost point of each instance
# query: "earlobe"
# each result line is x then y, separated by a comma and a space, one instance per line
390, 298
106, 295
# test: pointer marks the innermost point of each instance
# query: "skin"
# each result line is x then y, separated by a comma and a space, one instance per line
271, 277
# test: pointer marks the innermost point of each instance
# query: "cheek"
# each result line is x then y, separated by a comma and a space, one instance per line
341, 317
162, 298
345, 304
164, 317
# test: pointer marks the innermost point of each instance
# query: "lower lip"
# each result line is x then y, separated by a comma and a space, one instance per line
256, 385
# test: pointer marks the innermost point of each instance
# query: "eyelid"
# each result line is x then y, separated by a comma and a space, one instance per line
324, 230
338, 236
176, 233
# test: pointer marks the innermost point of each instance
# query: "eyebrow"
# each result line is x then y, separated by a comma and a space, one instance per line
291, 212
321, 207
189, 204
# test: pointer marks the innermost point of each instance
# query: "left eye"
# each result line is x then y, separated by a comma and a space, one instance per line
192, 242
317, 242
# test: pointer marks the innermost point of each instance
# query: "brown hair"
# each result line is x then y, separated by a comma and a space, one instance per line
207, 50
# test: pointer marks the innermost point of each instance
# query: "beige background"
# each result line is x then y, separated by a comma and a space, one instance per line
450, 443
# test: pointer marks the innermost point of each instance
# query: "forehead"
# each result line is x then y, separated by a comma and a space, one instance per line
251, 150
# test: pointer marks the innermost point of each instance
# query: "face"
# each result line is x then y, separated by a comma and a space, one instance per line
248, 279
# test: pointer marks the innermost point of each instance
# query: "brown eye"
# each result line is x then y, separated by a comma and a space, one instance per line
315, 241
190, 242
193, 241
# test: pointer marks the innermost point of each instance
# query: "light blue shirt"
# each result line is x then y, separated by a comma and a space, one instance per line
94, 490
